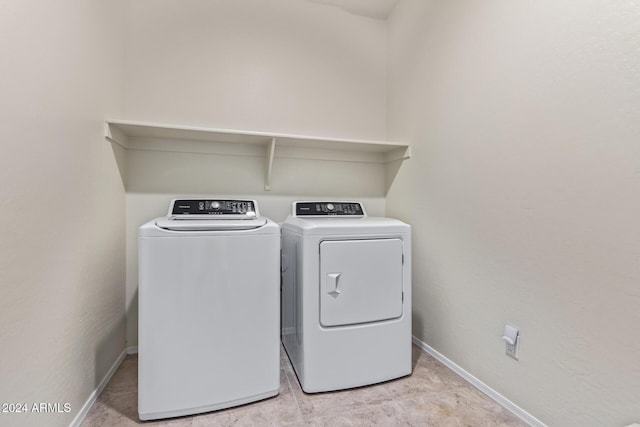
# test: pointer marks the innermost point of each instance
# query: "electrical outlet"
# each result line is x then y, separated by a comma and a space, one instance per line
511, 337
512, 349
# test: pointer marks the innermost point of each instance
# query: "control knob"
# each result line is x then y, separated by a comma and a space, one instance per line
215, 205
330, 206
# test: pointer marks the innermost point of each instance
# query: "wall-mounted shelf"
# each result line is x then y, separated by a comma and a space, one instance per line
163, 137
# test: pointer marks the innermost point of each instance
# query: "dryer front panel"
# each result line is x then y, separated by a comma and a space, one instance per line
360, 281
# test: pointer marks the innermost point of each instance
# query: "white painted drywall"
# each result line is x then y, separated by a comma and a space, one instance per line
285, 66
523, 192
62, 278
376, 9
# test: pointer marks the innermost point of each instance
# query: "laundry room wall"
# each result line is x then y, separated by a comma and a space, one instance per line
282, 66
62, 261
289, 66
523, 195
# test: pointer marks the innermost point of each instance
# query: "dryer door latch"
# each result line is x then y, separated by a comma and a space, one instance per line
332, 284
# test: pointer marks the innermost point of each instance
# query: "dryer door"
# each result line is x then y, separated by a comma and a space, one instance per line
360, 281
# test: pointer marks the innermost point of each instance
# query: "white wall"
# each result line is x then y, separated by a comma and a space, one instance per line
523, 194
286, 66
62, 290
290, 66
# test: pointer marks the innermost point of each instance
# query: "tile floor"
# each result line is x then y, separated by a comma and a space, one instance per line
432, 396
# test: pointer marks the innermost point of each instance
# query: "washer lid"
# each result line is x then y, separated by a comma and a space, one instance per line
208, 224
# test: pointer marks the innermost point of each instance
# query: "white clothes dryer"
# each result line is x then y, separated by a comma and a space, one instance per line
209, 308
346, 296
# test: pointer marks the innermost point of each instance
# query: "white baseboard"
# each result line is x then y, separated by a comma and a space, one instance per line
79, 418
132, 350
500, 399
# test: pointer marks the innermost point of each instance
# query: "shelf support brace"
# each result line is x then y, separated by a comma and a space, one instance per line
271, 149
402, 153
115, 135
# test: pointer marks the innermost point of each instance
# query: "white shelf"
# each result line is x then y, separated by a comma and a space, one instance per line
163, 137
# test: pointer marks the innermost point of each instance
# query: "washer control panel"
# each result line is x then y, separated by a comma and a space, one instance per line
232, 208
323, 209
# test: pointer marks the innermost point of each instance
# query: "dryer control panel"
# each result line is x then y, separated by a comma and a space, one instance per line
324, 209
231, 208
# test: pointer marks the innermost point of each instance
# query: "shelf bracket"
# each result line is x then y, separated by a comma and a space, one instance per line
115, 135
402, 153
271, 149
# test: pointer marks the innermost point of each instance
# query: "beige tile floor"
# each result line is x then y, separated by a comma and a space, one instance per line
432, 396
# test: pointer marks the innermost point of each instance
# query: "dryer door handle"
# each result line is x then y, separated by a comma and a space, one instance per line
332, 284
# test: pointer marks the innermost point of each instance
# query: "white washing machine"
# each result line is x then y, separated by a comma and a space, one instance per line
209, 308
346, 296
